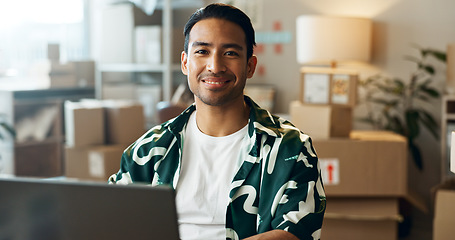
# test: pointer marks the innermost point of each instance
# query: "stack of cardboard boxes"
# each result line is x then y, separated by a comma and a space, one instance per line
364, 172
444, 197
97, 132
326, 102
69, 74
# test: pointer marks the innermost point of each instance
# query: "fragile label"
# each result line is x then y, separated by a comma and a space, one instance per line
330, 171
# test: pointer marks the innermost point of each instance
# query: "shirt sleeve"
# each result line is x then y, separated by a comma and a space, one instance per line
123, 176
301, 206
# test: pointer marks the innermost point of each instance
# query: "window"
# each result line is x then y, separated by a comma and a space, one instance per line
28, 26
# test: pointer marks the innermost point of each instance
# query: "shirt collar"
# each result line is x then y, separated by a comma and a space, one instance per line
260, 120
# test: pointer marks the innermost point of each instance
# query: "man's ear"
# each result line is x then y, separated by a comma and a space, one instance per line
183, 63
252, 62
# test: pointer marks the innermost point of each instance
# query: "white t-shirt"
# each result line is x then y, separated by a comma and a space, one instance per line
202, 194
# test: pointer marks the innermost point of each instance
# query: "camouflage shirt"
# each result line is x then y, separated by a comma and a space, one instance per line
278, 185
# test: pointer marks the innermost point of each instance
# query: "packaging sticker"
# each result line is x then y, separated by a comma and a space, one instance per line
330, 171
96, 165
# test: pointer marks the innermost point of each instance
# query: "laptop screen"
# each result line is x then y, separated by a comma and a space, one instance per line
45, 209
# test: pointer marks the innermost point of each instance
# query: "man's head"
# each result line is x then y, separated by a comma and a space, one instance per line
218, 56
226, 12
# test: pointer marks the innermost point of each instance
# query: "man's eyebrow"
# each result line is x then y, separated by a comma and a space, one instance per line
227, 45
233, 45
200, 43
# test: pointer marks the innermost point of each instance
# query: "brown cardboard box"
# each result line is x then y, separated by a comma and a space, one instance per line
63, 81
443, 196
125, 122
62, 75
361, 218
365, 180
84, 124
85, 73
369, 163
444, 216
321, 121
94, 163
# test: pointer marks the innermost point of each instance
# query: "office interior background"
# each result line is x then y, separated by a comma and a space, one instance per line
77, 30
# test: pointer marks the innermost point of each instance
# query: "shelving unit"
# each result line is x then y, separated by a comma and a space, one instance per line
39, 157
447, 126
138, 68
168, 68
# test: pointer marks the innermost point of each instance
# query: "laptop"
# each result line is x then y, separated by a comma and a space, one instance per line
62, 210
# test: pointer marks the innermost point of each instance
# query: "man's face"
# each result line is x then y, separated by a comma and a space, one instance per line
216, 63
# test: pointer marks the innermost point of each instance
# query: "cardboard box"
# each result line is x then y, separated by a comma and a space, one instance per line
361, 218
117, 34
148, 44
62, 75
368, 163
444, 216
94, 163
53, 52
118, 25
332, 86
365, 180
322, 121
84, 124
452, 151
119, 91
125, 122
149, 96
62, 81
38, 160
443, 196
85, 73
263, 95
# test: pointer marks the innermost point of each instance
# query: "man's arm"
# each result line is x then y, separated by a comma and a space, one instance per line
276, 234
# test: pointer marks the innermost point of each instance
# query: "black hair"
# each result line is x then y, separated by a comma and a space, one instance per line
226, 12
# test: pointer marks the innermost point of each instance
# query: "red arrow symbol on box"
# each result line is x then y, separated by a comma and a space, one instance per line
330, 170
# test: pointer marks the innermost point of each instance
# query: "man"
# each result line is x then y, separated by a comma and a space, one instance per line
238, 171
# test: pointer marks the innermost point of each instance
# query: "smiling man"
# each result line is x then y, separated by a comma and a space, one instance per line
239, 172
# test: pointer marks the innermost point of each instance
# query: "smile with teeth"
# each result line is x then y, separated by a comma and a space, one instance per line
210, 82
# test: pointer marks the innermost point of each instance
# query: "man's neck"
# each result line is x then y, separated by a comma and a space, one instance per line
221, 121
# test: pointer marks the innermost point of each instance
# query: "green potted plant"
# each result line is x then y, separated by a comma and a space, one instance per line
403, 106
5, 128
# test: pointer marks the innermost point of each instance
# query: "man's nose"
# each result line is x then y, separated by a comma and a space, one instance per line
216, 64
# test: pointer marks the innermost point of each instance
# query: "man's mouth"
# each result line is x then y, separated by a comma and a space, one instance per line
214, 82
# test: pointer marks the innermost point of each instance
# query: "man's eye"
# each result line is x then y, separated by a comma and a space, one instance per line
200, 52
232, 53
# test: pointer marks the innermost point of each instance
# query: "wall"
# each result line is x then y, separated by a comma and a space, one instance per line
397, 24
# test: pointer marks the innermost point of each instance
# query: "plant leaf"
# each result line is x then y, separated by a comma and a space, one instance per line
389, 103
428, 68
416, 154
432, 92
8, 128
412, 123
440, 55
429, 122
